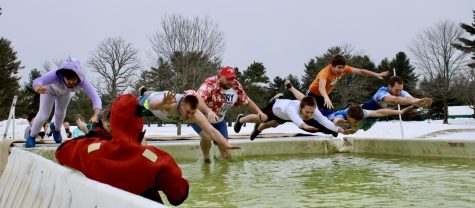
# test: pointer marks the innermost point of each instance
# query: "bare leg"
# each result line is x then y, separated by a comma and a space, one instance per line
60, 106
205, 144
81, 125
249, 118
269, 124
299, 95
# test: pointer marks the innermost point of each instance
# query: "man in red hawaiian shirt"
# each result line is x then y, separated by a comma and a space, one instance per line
220, 93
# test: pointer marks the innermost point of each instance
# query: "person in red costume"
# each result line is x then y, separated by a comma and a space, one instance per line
122, 161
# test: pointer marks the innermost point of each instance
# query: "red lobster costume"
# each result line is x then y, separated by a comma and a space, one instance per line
122, 161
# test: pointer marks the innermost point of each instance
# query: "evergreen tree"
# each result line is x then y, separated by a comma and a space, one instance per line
9, 86
405, 70
255, 82
353, 89
310, 72
276, 86
29, 100
375, 84
157, 79
80, 104
466, 45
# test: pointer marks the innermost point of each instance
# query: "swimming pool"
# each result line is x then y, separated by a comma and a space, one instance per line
321, 172
331, 180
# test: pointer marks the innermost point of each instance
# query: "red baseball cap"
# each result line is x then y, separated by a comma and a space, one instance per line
228, 72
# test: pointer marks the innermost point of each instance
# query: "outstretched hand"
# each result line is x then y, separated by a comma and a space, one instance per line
340, 122
382, 74
427, 101
169, 98
94, 119
423, 102
348, 131
328, 103
40, 89
212, 117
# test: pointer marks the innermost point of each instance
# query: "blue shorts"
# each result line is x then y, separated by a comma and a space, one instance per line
220, 126
371, 105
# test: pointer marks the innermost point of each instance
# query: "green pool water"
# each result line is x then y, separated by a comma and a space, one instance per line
338, 180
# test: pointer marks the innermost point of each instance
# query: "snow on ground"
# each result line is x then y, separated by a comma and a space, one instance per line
460, 110
20, 125
382, 129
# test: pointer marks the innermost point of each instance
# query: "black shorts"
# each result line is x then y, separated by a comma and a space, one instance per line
270, 114
320, 100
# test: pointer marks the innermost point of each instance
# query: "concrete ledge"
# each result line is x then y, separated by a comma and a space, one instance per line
30, 180
190, 149
453, 148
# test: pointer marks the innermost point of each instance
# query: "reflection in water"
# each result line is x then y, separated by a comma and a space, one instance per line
337, 180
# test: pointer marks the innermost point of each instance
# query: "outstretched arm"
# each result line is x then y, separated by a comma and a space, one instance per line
370, 73
210, 115
261, 117
94, 97
400, 100
204, 124
40, 82
387, 112
321, 88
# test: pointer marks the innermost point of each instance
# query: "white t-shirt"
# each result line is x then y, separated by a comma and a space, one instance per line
289, 110
230, 97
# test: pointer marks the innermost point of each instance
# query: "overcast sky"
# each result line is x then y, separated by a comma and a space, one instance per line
283, 35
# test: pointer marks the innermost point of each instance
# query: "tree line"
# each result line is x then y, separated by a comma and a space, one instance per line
185, 51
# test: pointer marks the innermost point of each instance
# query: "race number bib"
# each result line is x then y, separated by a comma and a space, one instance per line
230, 97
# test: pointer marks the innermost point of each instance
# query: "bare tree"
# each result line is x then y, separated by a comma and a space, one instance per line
48, 65
180, 34
191, 46
117, 64
436, 56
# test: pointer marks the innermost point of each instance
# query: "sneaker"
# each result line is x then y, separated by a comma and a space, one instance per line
237, 124
276, 96
30, 142
288, 84
56, 134
255, 132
